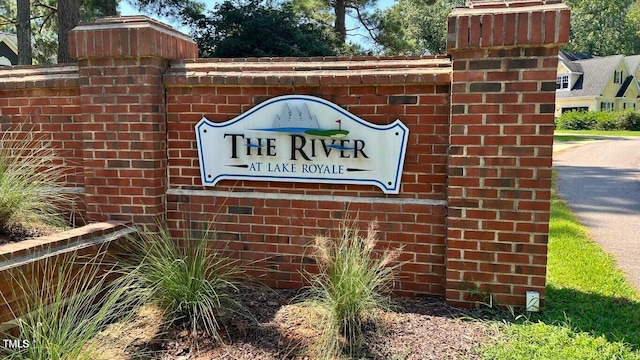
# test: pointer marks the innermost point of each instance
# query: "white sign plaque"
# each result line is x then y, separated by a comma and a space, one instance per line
299, 138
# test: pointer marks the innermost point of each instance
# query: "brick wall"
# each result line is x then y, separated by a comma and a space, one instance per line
501, 146
121, 62
276, 221
472, 212
45, 100
21, 262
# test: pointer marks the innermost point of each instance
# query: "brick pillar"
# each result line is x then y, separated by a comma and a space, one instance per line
504, 57
121, 62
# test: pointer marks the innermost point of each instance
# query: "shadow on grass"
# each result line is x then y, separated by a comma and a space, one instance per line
615, 318
564, 138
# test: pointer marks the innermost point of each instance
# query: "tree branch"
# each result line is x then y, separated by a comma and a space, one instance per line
366, 23
47, 6
8, 21
45, 20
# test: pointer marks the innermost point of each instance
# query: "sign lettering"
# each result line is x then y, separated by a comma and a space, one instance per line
299, 138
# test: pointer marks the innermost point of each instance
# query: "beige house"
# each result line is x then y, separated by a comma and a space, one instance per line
599, 83
8, 49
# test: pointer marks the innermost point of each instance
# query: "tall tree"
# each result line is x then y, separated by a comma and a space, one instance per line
23, 29
601, 27
414, 27
177, 10
44, 23
256, 29
336, 12
68, 18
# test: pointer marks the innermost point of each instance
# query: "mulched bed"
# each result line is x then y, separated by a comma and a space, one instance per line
419, 328
21, 232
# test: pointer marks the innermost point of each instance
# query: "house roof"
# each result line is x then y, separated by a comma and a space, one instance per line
573, 56
599, 71
625, 86
632, 62
10, 39
567, 60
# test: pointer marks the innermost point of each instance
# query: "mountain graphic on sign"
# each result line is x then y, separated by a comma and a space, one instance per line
294, 119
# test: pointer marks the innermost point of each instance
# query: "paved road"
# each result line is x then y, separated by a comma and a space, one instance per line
601, 182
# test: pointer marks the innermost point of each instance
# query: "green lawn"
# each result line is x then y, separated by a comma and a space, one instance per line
592, 312
600, 132
563, 138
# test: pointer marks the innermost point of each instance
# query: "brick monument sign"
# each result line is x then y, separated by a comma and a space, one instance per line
450, 153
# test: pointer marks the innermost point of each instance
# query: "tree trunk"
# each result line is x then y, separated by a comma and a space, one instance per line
340, 9
68, 18
111, 8
23, 28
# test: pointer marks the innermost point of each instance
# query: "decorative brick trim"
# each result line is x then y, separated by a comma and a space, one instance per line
310, 71
508, 24
137, 36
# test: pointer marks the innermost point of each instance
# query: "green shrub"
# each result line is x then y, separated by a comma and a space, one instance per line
193, 283
628, 120
65, 301
577, 120
353, 281
605, 120
30, 180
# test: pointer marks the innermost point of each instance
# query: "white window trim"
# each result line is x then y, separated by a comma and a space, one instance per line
606, 105
563, 82
617, 77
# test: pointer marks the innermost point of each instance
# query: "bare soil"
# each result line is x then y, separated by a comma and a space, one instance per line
419, 328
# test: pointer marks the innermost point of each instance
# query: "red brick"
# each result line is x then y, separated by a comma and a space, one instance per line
550, 30
523, 29
510, 29
474, 31
462, 32
563, 32
487, 33
498, 30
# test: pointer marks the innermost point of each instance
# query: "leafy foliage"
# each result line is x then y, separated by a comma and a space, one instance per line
599, 120
353, 281
256, 29
604, 27
415, 27
627, 120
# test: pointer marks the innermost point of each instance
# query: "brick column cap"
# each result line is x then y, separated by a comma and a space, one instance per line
130, 36
503, 24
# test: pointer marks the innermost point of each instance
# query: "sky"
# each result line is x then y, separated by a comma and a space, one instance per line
126, 9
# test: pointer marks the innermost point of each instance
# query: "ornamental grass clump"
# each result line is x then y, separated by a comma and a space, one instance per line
353, 282
62, 302
30, 180
191, 279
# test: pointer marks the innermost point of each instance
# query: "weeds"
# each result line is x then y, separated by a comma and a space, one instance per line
65, 300
192, 282
30, 180
353, 280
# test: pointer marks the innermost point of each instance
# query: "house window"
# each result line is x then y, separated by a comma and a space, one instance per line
606, 105
562, 82
629, 105
617, 77
575, 108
